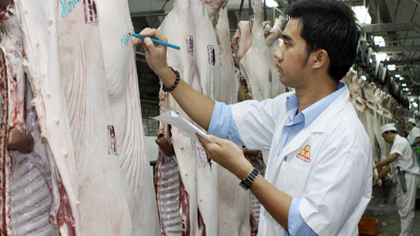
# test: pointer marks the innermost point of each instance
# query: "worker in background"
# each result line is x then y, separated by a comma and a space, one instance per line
414, 135
405, 174
318, 179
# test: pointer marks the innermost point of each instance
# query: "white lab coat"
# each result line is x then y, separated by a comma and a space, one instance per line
335, 185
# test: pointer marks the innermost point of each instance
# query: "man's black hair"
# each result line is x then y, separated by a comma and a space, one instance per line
328, 25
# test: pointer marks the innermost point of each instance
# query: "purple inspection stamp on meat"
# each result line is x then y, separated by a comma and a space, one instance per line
112, 147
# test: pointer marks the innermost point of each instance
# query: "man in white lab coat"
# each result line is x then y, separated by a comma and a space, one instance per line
405, 173
319, 172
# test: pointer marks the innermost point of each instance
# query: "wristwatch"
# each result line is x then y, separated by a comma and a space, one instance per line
247, 182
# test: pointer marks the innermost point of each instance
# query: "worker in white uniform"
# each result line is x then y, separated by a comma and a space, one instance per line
405, 173
414, 135
318, 179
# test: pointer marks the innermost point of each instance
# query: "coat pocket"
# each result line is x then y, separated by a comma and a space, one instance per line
292, 180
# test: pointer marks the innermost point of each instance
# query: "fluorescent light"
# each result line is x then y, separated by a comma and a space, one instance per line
379, 41
406, 89
415, 104
362, 14
403, 85
271, 3
391, 67
381, 56
401, 78
397, 76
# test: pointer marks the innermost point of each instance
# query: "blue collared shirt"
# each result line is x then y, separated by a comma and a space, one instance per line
223, 125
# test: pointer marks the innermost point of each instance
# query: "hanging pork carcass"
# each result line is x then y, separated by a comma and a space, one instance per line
102, 98
379, 96
124, 96
253, 51
256, 64
387, 104
234, 202
272, 37
40, 194
88, 182
228, 84
387, 117
241, 41
89, 111
368, 93
176, 178
354, 85
199, 63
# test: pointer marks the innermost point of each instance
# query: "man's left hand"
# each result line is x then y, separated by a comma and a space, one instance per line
228, 155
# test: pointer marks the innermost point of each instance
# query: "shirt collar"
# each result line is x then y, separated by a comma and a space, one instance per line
309, 114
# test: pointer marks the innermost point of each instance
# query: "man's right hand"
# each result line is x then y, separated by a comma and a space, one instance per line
198, 107
155, 53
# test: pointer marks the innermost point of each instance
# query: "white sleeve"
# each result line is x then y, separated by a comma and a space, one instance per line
256, 121
397, 148
416, 133
340, 184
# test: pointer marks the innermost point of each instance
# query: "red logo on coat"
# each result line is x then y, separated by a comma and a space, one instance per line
305, 154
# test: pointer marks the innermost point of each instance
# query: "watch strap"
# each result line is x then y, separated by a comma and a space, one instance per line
247, 182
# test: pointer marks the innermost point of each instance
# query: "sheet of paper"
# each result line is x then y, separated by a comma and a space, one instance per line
187, 129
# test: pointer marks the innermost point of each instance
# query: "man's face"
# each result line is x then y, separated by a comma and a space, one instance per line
410, 125
291, 56
386, 137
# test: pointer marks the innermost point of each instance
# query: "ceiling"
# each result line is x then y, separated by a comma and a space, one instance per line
397, 21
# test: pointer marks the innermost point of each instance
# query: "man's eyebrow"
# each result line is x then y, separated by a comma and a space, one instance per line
286, 37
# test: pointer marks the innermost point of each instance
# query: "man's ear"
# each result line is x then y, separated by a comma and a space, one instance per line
320, 58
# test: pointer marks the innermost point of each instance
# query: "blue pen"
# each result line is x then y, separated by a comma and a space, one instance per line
156, 41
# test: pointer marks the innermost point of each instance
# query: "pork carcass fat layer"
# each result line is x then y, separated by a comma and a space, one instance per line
124, 96
38, 21
92, 127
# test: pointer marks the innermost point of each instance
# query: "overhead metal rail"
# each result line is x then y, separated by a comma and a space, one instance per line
402, 62
392, 27
377, 72
396, 49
